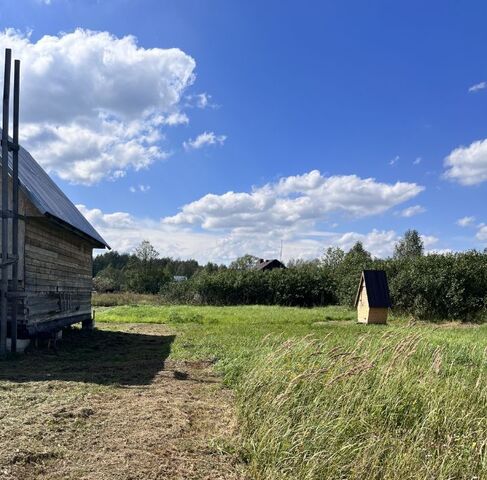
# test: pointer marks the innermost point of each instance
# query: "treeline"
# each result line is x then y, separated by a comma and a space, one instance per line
140, 272
433, 286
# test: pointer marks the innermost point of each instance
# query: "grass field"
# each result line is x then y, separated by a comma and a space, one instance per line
306, 394
319, 396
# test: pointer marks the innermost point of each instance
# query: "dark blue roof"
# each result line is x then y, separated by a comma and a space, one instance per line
377, 288
48, 198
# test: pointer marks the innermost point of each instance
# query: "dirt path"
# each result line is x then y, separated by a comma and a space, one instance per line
112, 407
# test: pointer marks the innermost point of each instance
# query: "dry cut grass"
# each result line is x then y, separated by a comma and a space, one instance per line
112, 406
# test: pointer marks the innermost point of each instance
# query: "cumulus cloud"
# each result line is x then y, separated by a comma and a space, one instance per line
482, 233
124, 232
417, 161
467, 165
294, 202
94, 105
429, 241
204, 139
412, 211
466, 221
477, 87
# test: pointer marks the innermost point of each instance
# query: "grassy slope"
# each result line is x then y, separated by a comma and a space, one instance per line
322, 397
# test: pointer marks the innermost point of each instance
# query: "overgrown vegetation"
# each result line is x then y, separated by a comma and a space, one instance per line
320, 396
433, 286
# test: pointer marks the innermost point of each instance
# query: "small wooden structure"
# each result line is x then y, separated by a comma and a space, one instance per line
266, 265
372, 300
46, 243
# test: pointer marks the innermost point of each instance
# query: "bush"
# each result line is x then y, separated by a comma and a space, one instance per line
303, 286
452, 286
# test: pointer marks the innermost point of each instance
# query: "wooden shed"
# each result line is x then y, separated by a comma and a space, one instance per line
55, 244
372, 300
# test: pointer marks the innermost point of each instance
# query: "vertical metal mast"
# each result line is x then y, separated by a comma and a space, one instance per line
15, 207
5, 148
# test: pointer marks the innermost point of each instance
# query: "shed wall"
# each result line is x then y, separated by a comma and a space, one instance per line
58, 273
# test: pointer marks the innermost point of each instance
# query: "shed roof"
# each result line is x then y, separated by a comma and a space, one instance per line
49, 199
268, 264
376, 287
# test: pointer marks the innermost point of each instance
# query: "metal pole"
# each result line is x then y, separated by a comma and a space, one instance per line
4, 283
15, 207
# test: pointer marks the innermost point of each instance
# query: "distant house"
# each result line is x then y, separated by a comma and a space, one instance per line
372, 300
179, 278
265, 265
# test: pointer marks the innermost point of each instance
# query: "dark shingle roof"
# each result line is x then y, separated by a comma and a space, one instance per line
377, 288
48, 197
269, 264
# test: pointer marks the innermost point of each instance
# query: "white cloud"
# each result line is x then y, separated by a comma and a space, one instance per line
294, 202
176, 118
439, 251
482, 233
204, 139
393, 161
429, 241
200, 100
94, 105
140, 188
477, 87
467, 165
417, 161
220, 228
465, 221
412, 211
124, 232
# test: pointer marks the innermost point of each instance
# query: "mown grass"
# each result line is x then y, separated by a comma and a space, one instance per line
320, 396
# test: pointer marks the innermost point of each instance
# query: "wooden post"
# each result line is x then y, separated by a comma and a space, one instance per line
4, 281
89, 323
15, 207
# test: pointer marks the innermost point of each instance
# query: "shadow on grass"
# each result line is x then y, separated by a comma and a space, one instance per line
101, 357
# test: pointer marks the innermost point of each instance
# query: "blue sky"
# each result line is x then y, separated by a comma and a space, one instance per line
259, 96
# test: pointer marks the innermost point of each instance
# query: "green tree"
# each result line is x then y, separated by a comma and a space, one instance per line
110, 259
146, 252
410, 246
109, 280
332, 258
347, 274
245, 262
144, 274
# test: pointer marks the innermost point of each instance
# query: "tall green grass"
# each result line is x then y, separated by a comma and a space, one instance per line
321, 397
388, 407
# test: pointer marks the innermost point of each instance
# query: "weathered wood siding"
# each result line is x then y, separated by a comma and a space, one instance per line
24, 206
58, 272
